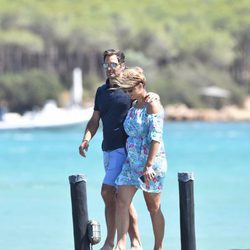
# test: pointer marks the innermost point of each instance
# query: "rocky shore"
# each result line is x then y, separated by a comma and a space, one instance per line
181, 112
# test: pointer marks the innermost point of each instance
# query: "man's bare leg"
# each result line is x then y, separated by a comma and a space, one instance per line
109, 197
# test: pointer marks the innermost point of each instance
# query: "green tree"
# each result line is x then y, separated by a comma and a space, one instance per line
27, 90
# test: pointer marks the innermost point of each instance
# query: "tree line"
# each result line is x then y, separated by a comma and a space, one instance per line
183, 46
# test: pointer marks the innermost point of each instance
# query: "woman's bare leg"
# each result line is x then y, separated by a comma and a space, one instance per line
125, 195
133, 229
153, 202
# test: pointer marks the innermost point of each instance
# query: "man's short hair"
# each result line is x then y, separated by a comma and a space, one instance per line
110, 52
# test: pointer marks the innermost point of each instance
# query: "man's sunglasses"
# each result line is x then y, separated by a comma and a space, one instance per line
109, 65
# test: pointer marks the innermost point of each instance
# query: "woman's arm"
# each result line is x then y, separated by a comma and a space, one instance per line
148, 170
153, 108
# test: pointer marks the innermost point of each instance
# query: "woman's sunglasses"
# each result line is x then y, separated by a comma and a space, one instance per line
128, 90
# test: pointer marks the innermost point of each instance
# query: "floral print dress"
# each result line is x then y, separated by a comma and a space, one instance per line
142, 128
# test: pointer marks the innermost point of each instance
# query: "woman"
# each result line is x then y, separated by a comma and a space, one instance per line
146, 165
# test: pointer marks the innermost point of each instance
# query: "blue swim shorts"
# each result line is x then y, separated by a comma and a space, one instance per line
113, 162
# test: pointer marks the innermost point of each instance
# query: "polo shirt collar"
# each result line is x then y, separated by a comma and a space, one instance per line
108, 84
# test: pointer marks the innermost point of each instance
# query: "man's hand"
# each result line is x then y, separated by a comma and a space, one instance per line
151, 96
83, 148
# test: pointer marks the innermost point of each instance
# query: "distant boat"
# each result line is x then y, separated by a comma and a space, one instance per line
49, 117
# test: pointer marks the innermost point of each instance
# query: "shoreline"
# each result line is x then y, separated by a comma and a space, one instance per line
180, 112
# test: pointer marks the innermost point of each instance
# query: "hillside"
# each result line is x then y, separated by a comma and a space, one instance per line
183, 46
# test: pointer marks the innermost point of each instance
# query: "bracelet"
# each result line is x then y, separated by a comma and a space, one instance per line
85, 140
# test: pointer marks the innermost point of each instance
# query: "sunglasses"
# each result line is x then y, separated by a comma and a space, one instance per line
109, 65
128, 90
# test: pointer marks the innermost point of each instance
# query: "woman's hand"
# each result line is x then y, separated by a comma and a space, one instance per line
149, 173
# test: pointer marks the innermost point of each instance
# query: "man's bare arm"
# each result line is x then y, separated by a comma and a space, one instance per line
152, 96
92, 126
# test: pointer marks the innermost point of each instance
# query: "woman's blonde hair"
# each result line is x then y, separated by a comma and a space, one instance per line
131, 77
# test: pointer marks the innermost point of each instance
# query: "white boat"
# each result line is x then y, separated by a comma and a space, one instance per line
49, 117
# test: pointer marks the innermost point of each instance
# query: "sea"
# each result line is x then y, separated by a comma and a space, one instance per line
35, 201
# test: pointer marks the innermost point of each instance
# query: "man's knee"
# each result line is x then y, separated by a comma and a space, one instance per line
108, 194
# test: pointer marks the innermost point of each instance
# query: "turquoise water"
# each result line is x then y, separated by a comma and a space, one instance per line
35, 205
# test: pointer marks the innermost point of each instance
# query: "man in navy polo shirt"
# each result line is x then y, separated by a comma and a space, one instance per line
111, 106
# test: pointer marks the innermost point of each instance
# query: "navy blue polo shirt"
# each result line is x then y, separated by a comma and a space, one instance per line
113, 105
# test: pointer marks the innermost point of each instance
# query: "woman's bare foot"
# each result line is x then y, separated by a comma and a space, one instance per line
136, 248
107, 246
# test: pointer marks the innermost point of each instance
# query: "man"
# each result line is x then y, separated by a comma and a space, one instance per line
111, 106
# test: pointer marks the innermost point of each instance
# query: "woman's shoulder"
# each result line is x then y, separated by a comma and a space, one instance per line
154, 107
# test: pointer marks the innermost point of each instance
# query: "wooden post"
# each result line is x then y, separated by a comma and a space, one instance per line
187, 221
79, 211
